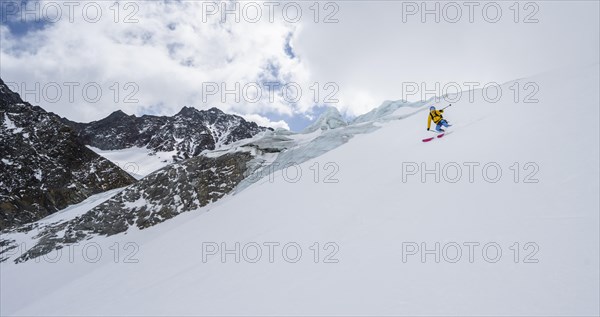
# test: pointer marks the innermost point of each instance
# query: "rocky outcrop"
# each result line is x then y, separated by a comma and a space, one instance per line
44, 166
175, 189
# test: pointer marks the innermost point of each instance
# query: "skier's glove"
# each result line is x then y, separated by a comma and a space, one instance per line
427, 129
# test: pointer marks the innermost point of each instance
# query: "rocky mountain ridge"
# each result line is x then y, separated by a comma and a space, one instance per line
186, 134
44, 166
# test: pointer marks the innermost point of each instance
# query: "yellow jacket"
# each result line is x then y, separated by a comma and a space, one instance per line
436, 116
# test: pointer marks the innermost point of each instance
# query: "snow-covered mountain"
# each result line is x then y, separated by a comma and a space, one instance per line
501, 217
184, 135
44, 167
187, 185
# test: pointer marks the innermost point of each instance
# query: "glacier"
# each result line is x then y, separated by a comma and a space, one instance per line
362, 215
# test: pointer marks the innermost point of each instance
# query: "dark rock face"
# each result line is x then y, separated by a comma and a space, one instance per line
44, 167
177, 188
189, 132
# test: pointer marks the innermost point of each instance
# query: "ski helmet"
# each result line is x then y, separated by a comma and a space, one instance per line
431, 108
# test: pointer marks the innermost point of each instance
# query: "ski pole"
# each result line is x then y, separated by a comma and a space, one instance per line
447, 106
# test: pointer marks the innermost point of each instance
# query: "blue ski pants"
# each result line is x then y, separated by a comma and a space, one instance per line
439, 125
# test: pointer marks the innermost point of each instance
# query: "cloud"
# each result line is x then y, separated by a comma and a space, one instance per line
374, 48
266, 122
167, 58
172, 58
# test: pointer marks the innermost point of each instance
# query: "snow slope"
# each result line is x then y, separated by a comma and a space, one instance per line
367, 215
137, 161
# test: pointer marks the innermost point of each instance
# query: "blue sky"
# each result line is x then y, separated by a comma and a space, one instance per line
11, 15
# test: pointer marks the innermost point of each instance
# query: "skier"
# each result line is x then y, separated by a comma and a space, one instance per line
438, 119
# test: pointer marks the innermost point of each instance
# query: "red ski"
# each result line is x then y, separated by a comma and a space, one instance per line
433, 137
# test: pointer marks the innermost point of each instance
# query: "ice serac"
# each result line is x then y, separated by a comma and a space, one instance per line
44, 166
186, 134
329, 119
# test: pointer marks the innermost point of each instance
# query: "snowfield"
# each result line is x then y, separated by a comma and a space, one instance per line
510, 227
138, 162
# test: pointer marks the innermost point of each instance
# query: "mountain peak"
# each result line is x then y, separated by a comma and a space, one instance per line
215, 109
187, 111
202, 129
8, 95
117, 115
